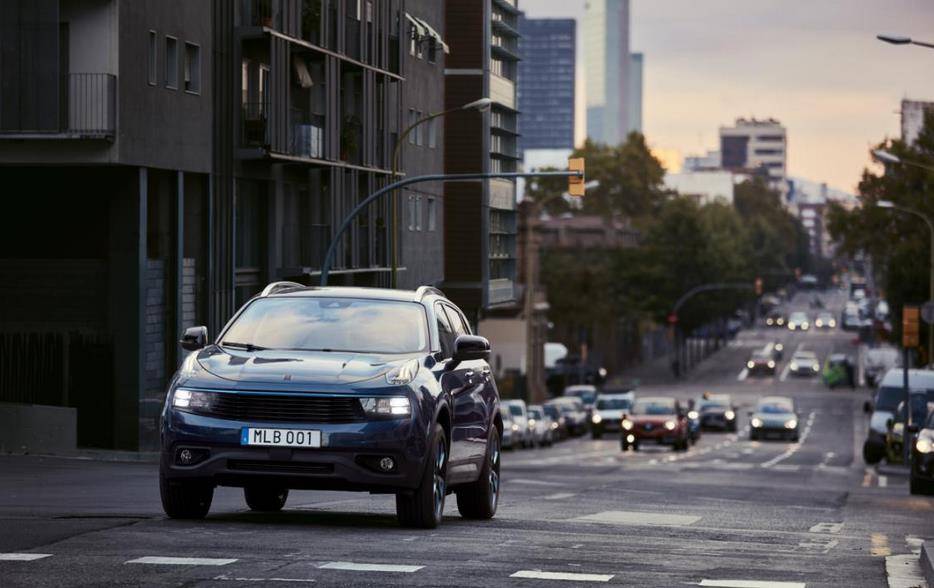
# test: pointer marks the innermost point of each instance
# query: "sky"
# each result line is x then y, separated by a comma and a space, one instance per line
815, 65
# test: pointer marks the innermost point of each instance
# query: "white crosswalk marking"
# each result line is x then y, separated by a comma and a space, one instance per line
181, 561
23, 556
751, 584
571, 577
619, 517
369, 567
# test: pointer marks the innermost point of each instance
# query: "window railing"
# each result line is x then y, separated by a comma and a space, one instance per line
308, 140
87, 108
255, 129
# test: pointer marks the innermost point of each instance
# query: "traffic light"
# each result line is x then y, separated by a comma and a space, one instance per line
576, 183
910, 316
758, 286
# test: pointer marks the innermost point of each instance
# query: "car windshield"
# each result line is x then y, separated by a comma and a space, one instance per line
888, 397
805, 357
587, 396
552, 411
653, 406
613, 403
712, 404
761, 355
515, 409
331, 324
535, 413
774, 408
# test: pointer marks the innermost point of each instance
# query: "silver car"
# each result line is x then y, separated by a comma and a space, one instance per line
520, 418
542, 429
608, 412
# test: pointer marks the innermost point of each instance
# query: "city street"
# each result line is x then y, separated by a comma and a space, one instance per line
727, 510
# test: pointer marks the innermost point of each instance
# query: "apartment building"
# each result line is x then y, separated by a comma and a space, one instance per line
753, 145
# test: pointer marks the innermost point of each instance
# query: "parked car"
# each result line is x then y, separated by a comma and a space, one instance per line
575, 417
511, 436
655, 419
774, 416
585, 392
877, 361
520, 417
761, 362
804, 364
363, 389
825, 320
717, 412
921, 479
608, 412
541, 427
798, 321
559, 422
888, 396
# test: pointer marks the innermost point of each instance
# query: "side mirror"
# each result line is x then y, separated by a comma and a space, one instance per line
195, 338
469, 348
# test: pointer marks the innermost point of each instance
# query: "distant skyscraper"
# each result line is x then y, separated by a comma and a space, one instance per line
607, 67
546, 83
753, 145
636, 63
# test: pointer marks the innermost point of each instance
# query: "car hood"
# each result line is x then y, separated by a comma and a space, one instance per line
611, 414
774, 420
652, 419
309, 367
878, 421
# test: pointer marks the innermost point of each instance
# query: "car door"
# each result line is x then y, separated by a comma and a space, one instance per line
474, 403
453, 383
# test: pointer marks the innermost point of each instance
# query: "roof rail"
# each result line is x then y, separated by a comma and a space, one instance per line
277, 287
426, 290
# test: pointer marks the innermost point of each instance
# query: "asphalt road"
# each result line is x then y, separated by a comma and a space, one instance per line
728, 512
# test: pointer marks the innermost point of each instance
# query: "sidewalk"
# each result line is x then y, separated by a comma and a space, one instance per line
106, 455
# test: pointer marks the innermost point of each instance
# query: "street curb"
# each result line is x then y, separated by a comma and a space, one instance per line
151, 457
927, 561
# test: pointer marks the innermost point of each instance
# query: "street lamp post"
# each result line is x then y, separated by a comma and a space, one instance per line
888, 157
889, 205
479, 105
903, 40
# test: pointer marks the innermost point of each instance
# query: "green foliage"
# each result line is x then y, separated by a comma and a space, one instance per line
899, 244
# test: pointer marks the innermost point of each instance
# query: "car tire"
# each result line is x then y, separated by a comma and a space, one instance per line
185, 499
917, 486
423, 507
478, 500
265, 499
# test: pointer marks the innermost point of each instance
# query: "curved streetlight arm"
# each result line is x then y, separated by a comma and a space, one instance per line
912, 212
329, 256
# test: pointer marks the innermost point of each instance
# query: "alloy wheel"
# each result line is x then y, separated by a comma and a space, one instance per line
494, 474
440, 487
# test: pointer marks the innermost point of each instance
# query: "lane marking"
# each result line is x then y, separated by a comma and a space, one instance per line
904, 571
879, 545
751, 584
883, 481
914, 544
294, 580
826, 528
743, 375
533, 482
181, 561
572, 577
23, 556
620, 517
368, 567
560, 496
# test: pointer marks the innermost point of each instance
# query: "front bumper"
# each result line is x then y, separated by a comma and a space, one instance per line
716, 421
347, 459
774, 432
660, 435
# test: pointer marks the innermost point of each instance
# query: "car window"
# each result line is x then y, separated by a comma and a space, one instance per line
515, 409
774, 408
653, 406
613, 404
458, 322
330, 324
535, 413
445, 332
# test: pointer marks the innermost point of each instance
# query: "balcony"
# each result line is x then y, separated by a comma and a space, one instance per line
503, 91
87, 109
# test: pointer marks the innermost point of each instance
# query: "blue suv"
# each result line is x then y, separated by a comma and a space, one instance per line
385, 391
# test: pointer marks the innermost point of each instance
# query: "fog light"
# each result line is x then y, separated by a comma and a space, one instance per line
387, 464
185, 457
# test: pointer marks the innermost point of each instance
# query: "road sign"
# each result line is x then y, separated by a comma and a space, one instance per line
576, 183
910, 327
927, 312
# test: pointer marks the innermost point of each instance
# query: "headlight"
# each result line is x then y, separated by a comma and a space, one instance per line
596, 418
670, 425
791, 326
804, 326
562, 420
794, 367
816, 367
791, 424
756, 423
780, 321
832, 323
925, 443
693, 415
387, 406
779, 347
730, 415
769, 322
515, 427
750, 364
192, 400
554, 425
627, 424
531, 423
819, 323
403, 374
771, 364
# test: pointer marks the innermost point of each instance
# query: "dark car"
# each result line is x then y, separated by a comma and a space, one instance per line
921, 480
658, 420
774, 416
717, 412
385, 391
761, 362
775, 318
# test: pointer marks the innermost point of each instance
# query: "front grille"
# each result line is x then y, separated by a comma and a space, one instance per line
285, 408
280, 467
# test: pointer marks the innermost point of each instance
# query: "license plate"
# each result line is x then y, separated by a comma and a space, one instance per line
280, 437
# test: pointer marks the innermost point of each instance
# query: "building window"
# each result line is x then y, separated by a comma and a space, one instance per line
413, 116
171, 63
432, 51
433, 133
369, 10
419, 130
411, 212
192, 68
418, 213
432, 214
413, 40
153, 62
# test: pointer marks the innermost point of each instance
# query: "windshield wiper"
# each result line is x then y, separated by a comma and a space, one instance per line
245, 346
